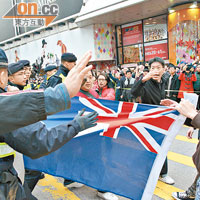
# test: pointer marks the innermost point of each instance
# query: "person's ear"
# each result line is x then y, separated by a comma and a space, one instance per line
10, 78
1, 78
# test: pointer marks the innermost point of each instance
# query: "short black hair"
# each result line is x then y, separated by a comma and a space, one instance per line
128, 71
146, 69
157, 59
171, 65
189, 66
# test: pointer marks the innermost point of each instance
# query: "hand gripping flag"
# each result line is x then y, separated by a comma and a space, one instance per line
123, 154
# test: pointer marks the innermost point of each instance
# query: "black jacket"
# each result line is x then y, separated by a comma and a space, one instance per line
18, 86
151, 92
174, 86
56, 78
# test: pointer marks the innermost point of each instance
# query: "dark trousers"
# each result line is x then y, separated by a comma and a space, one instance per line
31, 178
164, 168
67, 182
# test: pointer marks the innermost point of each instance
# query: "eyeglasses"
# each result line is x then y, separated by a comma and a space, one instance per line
101, 79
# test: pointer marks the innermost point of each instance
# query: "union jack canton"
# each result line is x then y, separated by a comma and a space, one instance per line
123, 154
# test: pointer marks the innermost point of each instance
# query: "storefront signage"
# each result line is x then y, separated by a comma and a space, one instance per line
132, 33
156, 49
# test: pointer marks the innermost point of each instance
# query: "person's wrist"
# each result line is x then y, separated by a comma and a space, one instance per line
144, 79
193, 114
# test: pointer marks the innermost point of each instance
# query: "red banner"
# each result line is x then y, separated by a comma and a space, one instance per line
157, 49
132, 34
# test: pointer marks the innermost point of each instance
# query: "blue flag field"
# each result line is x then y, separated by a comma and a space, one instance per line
123, 154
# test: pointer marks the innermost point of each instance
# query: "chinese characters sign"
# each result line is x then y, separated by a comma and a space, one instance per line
153, 49
32, 14
132, 33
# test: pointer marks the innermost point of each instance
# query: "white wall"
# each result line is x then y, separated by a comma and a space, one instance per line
77, 41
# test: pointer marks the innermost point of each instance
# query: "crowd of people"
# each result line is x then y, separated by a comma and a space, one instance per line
147, 83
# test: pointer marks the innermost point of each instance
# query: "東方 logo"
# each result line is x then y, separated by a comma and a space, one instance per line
32, 14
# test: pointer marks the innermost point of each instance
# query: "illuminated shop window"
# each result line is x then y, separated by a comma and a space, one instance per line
155, 28
133, 53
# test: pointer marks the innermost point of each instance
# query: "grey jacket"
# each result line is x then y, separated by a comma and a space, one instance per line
22, 109
36, 140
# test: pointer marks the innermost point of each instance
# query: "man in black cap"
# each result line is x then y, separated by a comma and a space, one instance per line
18, 79
50, 70
36, 134
30, 107
68, 61
16, 75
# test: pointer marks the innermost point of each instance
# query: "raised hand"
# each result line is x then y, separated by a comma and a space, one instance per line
76, 75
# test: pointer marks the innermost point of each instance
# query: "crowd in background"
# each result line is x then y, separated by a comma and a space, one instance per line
116, 83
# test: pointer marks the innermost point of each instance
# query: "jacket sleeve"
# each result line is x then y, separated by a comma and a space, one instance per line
43, 85
23, 109
181, 76
53, 81
110, 95
36, 140
194, 78
113, 78
137, 88
196, 121
56, 99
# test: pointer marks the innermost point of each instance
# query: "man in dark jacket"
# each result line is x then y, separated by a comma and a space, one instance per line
37, 135
35, 141
68, 61
172, 83
28, 108
151, 89
50, 70
126, 87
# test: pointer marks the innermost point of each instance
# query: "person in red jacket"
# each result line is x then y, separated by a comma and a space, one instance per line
187, 77
86, 87
86, 91
103, 90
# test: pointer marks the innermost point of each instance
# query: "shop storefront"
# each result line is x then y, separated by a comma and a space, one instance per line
184, 33
175, 37
142, 40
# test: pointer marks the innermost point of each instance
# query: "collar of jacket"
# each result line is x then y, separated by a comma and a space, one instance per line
64, 70
102, 89
2, 90
18, 86
87, 93
161, 81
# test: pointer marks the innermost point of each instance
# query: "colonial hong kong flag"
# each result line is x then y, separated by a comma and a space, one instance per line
123, 154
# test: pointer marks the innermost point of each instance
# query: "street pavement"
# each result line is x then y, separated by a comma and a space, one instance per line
180, 165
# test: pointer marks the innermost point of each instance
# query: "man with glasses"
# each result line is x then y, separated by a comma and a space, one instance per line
16, 75
27, 69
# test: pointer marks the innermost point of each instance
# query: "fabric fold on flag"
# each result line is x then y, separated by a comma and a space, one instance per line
123, 154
